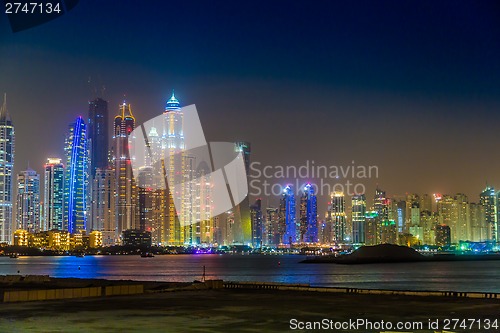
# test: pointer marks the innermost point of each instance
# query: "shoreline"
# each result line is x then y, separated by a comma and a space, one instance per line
233, 310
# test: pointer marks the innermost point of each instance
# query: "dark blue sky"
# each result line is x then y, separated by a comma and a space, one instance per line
410, 86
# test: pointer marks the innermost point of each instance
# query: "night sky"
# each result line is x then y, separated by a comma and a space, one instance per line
410, 86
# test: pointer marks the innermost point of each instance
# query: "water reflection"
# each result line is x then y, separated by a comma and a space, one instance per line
459, 276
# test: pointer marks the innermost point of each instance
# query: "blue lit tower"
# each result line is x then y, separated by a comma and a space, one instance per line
28, 201
308, 228
53, 199
358, 218
7, 136
98, 135
76, 177
287, 219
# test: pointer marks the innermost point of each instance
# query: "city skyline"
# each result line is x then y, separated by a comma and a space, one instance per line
400, 96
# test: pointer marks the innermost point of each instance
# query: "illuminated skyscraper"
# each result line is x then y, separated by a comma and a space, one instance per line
358, 218
104, 205
308, 228
257, 223
460, 226
338, 217
272, 235
98, 134
7, 139
381, 205
76, 177
243, 224
372, 228
287, 216
28, 201
174, 164
126, 213
53, 199
489, 201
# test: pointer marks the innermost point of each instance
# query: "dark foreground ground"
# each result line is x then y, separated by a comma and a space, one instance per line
233, 311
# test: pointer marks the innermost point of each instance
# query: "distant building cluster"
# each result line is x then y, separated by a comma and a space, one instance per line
439, 220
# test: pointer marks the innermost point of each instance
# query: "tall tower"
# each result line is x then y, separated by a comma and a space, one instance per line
287, 218
28, 201
243, 224
175, 168
104, 205
98, 134
308, 228
76, 177
358, 218
338, 216
7, 139
272, 237
53, 199
125, 184
257, 223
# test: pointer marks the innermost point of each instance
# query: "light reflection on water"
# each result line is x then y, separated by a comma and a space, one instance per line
456, 276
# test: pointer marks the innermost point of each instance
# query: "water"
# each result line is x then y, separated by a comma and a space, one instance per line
480, 276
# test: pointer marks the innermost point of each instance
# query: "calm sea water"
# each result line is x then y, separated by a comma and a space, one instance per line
479, 276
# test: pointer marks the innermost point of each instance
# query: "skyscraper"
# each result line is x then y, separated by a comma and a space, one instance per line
104, 205
172, 144
272, 235
53, 195
308, 228
76, 177
7, 139
243, 223
287, 218
489, 201
338, 217
257, 223
358, 218
126, 213
98, 134
28, 201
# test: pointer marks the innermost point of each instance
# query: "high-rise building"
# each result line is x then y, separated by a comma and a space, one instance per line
443, 237
372, 228
479, 228
104, 205
126, 213
174, 160
358, 218
338, 216
76, 177
489, 201
28, 201
257, 223
243, 223
308, 211
98, 135
53, 198
272, 230
287, 216
460, 222
7, 139
381, 205
426, 203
